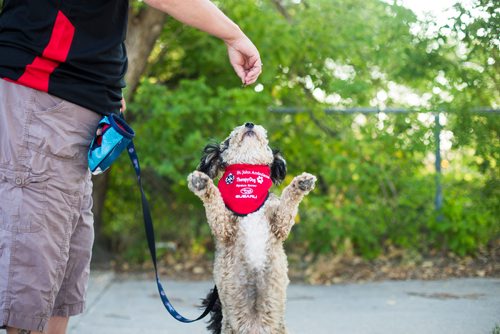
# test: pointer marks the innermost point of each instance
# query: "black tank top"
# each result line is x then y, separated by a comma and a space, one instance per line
73, 49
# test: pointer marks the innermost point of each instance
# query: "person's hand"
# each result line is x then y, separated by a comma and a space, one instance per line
245, 59
124, 105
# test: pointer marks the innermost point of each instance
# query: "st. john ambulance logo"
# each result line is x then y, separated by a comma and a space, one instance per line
230, 178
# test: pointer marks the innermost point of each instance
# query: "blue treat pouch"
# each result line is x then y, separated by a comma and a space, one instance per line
112, 136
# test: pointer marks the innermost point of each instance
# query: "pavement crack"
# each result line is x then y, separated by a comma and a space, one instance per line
446, 295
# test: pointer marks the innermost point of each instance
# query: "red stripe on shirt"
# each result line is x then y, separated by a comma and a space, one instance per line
37, 73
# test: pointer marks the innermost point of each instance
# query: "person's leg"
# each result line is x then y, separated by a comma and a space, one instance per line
71, 297
43, 179
29, 251
11, 330
57, 325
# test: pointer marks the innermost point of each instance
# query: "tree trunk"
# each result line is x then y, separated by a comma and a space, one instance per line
144, 28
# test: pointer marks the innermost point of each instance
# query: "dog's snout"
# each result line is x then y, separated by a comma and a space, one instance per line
249, 125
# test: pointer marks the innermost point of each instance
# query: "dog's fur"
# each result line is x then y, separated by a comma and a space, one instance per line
250, 268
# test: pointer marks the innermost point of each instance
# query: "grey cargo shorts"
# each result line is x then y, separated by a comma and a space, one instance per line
46, 223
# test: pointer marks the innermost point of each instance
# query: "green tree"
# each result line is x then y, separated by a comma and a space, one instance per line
375, 182
472, 81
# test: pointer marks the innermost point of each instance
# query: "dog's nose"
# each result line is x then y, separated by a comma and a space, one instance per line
249, 125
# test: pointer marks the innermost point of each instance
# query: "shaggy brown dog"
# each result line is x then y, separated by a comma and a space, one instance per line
250, 268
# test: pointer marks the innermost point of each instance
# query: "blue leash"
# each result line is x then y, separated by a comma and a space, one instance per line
150, 235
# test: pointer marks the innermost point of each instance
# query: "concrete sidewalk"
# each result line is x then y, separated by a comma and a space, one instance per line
463, 306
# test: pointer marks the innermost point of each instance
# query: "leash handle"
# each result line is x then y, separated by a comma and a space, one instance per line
150, 236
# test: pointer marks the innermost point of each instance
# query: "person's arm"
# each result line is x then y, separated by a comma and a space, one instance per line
205, 16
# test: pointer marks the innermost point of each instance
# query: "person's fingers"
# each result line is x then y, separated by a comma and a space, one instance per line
240, 72
254, 68
237, 60
253, 74
124, 105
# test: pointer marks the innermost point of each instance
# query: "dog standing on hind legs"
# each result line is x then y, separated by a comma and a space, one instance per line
249, 225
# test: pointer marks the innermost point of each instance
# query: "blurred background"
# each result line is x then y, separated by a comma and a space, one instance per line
393, 105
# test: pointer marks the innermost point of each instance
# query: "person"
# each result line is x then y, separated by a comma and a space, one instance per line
62, 66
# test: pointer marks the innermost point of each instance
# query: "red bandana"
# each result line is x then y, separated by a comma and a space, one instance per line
245, 188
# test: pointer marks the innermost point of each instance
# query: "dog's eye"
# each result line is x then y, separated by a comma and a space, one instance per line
225, 145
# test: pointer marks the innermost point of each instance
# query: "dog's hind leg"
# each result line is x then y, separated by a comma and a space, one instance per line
226, 328
218, 216
271, 298
284, 214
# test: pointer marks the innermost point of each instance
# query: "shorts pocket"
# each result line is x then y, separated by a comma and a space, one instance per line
16, 222
51, 128
22, 202
46, 103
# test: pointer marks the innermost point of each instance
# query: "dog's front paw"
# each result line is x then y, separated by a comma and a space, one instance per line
198, 181
305, 182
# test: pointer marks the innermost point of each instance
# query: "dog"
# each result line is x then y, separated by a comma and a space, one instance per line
249, 225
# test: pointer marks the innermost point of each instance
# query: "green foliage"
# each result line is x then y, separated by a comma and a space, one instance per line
376, 182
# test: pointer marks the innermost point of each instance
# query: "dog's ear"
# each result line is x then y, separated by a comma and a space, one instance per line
211, 160
278, 168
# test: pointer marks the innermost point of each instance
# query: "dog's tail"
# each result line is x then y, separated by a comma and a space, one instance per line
215, 322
